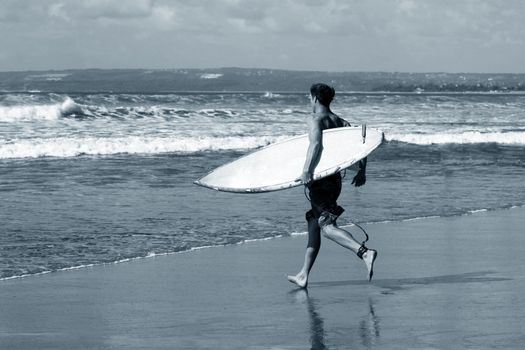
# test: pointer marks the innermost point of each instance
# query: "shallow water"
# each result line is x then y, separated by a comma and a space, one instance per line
104, 177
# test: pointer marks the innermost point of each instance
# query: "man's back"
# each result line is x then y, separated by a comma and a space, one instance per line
330, 121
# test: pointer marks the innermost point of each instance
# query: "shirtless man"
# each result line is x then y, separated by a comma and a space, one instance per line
324, 192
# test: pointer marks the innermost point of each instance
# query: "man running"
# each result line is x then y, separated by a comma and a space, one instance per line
324, 192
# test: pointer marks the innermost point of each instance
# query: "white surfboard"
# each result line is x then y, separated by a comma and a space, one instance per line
279, 165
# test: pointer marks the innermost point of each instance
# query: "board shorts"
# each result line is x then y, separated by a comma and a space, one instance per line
323, 197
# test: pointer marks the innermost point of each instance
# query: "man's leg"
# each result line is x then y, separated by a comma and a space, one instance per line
345, 239
312, 249
341, 237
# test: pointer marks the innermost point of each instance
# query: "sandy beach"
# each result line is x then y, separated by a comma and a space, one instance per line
440, 283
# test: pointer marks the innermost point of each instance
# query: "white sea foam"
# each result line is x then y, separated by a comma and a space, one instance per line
478, 211
39, 112
258, 239
211, 76
25, 275
21, 113
48, 77
304, 233
269, 94
421, 218
475, 211
69, 107
70, 146
470, 137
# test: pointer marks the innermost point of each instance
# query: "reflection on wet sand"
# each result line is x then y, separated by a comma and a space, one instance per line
368, 326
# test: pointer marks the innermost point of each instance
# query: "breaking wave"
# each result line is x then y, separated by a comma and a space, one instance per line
52, 125
71, 147
39, 112
470, 137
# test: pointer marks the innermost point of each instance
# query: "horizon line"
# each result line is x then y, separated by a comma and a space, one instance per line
253, 68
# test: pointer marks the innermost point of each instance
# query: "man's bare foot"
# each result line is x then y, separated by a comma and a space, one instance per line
300, 279
369, 257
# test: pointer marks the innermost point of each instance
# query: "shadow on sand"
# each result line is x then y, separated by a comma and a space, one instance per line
395, 284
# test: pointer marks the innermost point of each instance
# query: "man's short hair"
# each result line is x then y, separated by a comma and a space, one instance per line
324, 93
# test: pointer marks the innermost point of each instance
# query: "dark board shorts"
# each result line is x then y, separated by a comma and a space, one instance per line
323, 197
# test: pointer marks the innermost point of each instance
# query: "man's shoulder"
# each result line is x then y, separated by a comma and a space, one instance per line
340, 121
315, 120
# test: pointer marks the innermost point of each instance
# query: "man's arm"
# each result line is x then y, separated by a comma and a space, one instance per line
362, 164
345, 123
315, 149
360, 177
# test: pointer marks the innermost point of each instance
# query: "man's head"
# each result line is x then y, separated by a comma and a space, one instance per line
323, 93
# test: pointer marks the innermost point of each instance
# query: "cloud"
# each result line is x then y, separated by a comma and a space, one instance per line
38, 10
367, 34
112, 9
15, 11
57, 10
401, 19
95, 9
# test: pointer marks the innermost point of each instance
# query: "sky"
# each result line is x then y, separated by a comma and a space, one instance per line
485, 36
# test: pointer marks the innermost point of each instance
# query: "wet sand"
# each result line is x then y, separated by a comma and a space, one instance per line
439, 283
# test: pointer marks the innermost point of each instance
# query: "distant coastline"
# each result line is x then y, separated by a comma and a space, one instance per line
253, 80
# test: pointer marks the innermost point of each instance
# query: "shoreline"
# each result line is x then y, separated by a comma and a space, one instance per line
247, 241
452, 282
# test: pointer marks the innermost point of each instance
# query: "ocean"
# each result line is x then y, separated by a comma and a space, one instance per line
100, 177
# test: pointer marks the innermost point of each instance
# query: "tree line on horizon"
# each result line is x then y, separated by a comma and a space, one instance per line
241, 79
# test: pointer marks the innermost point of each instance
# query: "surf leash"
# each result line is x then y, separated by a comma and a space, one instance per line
306, 194
352, 222
362, 229
363, 135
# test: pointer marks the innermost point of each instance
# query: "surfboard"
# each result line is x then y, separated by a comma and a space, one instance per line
279, 165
